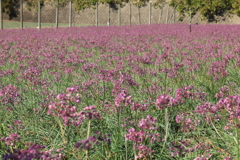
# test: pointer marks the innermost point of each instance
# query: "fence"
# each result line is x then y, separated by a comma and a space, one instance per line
52, 15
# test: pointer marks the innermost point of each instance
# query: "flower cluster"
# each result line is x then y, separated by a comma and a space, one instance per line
35, 151
86, 143
147, 123
223, 92
135, 136
203, 157
232, 105
164, 101
71, 95
187, 122
12, 139
70, 115
64, 109
123, 99
209, 112
184, 147
144, 133
180, 148
91, 113
144, 152
141, 107
218, 70
9, 95
188, 92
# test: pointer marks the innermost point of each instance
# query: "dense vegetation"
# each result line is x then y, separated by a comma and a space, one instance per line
207, 8
140, 92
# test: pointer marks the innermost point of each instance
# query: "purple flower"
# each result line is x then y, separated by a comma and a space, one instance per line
147, 123
35, 151
218, 70
223, 92
136, 136
164, 101
9, 95
12, 139
141, 107
143, 152
86, 143
123, 99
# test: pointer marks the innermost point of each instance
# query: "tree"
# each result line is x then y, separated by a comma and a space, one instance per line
213, 8
207, 8
10, 7
236, 7
186, 7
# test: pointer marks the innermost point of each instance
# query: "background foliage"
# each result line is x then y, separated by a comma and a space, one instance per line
209, 9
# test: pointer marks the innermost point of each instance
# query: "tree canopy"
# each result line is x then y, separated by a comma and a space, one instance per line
207, 8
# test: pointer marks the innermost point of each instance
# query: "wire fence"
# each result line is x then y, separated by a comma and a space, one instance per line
54, 15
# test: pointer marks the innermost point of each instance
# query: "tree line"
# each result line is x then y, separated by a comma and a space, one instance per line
209, 9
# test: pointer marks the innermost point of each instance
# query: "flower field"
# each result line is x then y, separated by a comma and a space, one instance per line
120, 93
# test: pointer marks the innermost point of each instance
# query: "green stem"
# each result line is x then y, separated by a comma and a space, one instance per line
88, 134
166, 129
238, 146
134, 150
62, 130
68, 139
126, 149
212, 124
165, 87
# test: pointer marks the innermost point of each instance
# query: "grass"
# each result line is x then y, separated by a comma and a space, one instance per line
146, 92
17, 25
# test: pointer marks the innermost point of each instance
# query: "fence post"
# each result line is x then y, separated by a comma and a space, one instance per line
130, 14
97, 14
167, 15
160, 15
39, 14
57, 11
70, 14
174, 12
190, 20
1, 17
21, 14
139, 18
119, 15
150, 12
172, 17
108, 14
